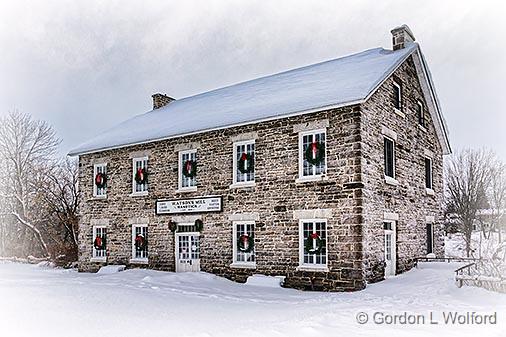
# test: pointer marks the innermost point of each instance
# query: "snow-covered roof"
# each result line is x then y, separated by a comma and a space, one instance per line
343, 81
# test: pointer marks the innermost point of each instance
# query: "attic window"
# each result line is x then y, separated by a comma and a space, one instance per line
397, 95
420, 113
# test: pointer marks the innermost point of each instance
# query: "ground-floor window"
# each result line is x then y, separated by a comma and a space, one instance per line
139, 242
99, 242
244, 242
430, 238
313, 243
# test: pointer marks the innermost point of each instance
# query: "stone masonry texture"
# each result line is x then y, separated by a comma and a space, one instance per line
354, 190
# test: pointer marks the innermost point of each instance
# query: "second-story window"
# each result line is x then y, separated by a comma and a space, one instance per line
389, 149
100, 180
312, 154
420, 113
188, 170
397, 95
244, 162
140, 176
428, 173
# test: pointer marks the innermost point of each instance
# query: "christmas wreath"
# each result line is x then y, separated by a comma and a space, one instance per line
245, 243
313, 249
245, 163
141, 176
315, 153
199, 225
99, 243
190, 168
100, 180
140, 242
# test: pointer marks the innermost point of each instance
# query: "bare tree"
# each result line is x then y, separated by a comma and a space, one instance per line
62, 202
467, 179
28, 147
497, 197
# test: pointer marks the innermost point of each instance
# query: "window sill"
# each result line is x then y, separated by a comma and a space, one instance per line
243, 265
99, 197
98, 259
429, 191
391, 181
186, 189
421, 127
399, 112
138, 261
243, 185
323, 269
302, 180
139, 194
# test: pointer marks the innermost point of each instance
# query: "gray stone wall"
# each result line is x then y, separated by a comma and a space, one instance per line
409, 198
274, 198
354, 193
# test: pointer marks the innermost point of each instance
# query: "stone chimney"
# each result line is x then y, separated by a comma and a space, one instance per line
161, 100
401, 35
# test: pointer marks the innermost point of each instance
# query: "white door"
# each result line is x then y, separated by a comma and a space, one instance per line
390, 249
187, 252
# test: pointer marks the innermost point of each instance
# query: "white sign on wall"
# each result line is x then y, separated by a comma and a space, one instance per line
193, 205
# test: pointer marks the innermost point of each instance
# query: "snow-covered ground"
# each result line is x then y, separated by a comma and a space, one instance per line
37, 301
455, 245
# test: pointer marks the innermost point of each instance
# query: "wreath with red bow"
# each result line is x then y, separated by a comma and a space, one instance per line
190, 168
245, 243
141, 176
140, 242
315, 153
100, 180
99, 243
315, 248
245, 163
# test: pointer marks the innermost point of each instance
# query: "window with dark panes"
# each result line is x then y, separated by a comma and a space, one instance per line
397, 95
389, 157
420, 113
428, 173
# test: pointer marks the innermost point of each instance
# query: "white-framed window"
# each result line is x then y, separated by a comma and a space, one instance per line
313, 140
389, 154
139, 243
186, 159
314, 230
397, 95
428, 173
100, 180
244, 162
99, 243
140, 166
244, 242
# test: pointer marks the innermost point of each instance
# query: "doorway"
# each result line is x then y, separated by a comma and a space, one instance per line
390, 248
187, 252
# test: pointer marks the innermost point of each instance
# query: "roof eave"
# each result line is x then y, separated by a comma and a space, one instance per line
77, 152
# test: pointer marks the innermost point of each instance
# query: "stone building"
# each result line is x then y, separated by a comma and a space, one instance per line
329, 175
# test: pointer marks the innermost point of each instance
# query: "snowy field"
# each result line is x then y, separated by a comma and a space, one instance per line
39, 301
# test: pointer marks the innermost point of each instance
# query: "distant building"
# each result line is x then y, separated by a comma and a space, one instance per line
329, 175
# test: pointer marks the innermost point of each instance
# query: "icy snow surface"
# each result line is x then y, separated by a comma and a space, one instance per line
338, 81
265, 281
53, 302
111, 269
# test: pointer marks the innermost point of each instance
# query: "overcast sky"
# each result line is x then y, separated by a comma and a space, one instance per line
86, 65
